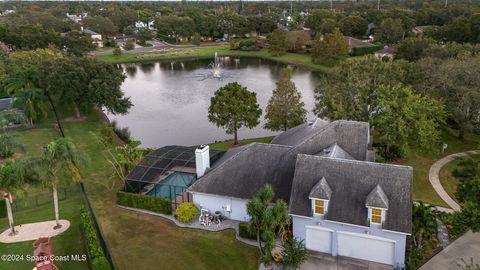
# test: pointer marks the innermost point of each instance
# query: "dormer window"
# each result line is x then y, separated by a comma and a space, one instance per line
376, 216
377, 205
319, 207
320, 196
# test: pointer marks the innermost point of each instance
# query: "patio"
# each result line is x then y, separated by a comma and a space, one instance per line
33, 231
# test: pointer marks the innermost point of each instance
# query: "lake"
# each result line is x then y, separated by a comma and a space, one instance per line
171, 98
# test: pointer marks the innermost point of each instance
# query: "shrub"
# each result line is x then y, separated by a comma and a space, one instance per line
117, 51
186, 212
129, 46
362, 50
150, 203
456, 223
248, 45
3, 210
244, 232
95, 252
293, 254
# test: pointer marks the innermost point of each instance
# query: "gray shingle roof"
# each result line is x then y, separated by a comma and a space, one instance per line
321, 190
335, 151
6, 103
377, 198
351, 182
243, 170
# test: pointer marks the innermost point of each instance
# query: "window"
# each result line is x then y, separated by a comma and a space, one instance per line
376, 216
319, 207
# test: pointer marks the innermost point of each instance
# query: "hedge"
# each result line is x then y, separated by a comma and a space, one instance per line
150, 203
186, 212
95, 252
244, 232
362, 50
3, 209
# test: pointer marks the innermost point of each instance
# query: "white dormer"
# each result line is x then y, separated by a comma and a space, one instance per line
377, 206
320, 197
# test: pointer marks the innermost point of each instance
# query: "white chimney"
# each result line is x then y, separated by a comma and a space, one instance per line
202, 159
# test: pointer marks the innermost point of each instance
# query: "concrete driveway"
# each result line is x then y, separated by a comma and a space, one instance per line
322, 261
465, 247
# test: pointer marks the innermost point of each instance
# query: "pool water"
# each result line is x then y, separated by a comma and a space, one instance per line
172, 186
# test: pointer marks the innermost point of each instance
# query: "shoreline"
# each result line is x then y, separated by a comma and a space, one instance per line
209, 52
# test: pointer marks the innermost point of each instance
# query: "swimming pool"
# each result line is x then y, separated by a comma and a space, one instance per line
172, 186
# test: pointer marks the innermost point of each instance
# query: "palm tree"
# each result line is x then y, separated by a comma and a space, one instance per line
424, 222
14, 176
23, 86
59, 163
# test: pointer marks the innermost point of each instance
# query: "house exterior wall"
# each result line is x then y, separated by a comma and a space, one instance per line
299, 231
238, 207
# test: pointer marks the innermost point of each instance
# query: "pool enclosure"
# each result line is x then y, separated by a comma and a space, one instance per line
166, 172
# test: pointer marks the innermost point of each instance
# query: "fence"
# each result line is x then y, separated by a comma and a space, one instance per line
44, 198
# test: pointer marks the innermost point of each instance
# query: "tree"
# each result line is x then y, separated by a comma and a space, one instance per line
28, 96
353, 25
174, 27
285, 108
77, 44
406, 119
9, 143
413, 48
117, 51
293, 254
390, 31
350, 90
144, 35
331, 49
59, 163
278, 42
424, 223
296, 40
234, 107
265, 218
100, 24
454, 81
86, 82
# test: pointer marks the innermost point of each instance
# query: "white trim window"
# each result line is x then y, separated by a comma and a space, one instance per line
319, 206
376, 215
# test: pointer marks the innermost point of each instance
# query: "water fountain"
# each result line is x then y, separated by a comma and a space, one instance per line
216, 67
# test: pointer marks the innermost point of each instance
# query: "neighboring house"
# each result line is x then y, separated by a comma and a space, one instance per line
76, 18
96, 37
340, 201
7, 12
386, 52
6, 104
5, 49
149, 25
420, 29
355, 42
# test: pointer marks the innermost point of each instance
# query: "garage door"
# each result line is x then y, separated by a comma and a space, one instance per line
319, 239
366, 247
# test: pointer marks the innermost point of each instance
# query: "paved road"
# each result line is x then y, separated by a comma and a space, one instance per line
435, 180
465, 247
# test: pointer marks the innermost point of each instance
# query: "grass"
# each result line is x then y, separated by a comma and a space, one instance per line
225, 145
422, 161
209, 52
68, 243
135, 241
449, 182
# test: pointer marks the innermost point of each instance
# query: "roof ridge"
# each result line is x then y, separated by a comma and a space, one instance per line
358, 161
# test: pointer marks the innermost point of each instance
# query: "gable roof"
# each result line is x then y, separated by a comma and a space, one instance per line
335, 151
351, 182
243, 170
321, 190
377, 198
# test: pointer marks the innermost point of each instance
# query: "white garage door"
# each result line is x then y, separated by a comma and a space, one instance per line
366, 247
319, 239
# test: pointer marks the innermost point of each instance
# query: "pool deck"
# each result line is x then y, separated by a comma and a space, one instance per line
224, 225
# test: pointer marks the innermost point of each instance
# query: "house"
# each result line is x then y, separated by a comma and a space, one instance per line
386, 52
6, 104
420, 29
76, 18
149, 25
7, 12
340, 201
96, 37
355, 42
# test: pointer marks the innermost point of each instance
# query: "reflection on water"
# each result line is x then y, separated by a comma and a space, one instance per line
171, 103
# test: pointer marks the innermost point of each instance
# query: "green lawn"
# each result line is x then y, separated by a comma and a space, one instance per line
135, 241
209, 52
68, 243
225, 145
421, 162
449, 182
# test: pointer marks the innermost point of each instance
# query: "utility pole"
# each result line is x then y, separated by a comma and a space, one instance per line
378, 5
446, 3
331, 5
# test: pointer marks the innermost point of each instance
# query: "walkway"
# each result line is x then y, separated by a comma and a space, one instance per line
33, 231
435, 180
323, 261
465, 247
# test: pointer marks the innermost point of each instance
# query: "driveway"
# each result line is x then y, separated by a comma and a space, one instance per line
465, 247
323, 261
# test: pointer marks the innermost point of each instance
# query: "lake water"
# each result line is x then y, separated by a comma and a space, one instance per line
171, 98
